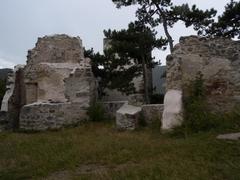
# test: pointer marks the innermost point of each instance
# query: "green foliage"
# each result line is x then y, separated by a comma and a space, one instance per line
96, 112
197, 116
133, 47
110, 71
96, 151
165, 13
228, 24
128, 56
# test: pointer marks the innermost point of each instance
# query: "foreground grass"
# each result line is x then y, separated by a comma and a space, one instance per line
97, 151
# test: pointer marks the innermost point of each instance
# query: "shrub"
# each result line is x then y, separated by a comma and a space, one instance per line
96, 112
197, 116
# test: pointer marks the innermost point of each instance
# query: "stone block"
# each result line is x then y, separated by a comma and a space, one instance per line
152, 112
173, 109
127, 117
45, 116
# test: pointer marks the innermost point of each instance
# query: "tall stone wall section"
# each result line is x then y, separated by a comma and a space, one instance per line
218, 60
54, 89
59, 84
14, 98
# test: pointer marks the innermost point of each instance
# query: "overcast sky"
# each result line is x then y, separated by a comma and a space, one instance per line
23, 21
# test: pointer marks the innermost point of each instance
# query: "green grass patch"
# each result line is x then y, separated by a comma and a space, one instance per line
97, 151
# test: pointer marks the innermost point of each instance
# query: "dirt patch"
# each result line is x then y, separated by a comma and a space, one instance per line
88, 169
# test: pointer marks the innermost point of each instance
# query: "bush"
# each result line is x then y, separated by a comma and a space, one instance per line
197, 116
96, 112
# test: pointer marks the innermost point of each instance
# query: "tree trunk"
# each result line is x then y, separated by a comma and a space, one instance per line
145, 81
165, 27
169, 37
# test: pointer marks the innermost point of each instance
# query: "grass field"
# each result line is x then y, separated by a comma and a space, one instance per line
98, 151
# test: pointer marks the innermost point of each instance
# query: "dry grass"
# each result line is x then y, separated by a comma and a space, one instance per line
97, 151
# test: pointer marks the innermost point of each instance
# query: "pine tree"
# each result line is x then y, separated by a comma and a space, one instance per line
228, 24
165, 13
128, 56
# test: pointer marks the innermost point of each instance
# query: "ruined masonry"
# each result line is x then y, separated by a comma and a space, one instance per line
218, 60
54, 89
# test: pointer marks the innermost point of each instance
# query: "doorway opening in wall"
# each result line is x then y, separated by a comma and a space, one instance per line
31, 93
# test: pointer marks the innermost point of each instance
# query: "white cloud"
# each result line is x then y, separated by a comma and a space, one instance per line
6, 63
22, 22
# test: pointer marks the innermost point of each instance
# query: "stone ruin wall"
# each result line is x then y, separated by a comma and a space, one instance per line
54, 89
219, 62
60, 85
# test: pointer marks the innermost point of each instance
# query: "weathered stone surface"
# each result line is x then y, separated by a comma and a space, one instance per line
218, 60
152, 112
172, 114
44, 116
60, 85
14, 97
233, 136
57, 70
54, 89
13, 87
127, 117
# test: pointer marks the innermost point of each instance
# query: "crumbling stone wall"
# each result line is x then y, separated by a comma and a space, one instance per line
218, 60
59, 84
44, 116
57, 49
54, 89
14, 98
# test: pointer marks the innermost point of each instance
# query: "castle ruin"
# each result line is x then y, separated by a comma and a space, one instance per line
54, 89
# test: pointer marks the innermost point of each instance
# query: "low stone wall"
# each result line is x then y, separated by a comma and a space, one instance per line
44, 116
152, 112
111, 107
